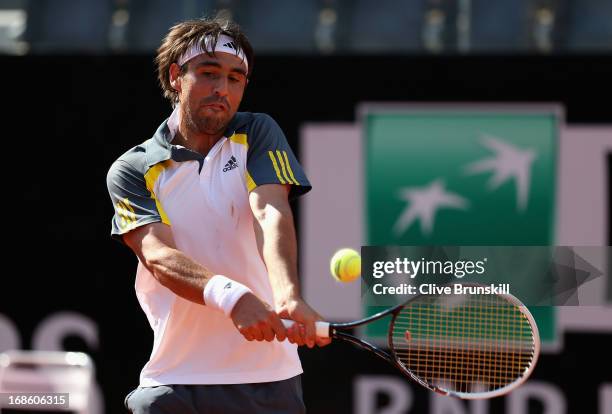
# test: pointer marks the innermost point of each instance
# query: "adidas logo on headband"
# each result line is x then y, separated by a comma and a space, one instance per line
231, 45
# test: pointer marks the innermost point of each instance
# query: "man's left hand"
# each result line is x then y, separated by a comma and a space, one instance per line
303, 332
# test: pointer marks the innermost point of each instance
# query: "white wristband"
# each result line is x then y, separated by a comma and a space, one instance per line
222, 293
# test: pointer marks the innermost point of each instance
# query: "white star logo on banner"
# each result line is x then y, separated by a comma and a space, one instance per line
423, 203
509, 162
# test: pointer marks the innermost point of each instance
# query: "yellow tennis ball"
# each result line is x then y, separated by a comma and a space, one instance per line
345, 265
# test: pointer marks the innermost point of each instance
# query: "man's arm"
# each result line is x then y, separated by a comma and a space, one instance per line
275, 234
155, 247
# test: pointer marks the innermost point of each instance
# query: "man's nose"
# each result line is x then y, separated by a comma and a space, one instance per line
221, 86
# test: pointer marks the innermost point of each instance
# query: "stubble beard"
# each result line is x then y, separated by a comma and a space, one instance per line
205, 124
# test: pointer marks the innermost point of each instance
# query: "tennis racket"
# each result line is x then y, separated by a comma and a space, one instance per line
466, 346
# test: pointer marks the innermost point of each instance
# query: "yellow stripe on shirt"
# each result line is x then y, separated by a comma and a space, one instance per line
240, 139
150, 178
127, 215
282, 164
278, 173
132, 213
289, 168
250, 182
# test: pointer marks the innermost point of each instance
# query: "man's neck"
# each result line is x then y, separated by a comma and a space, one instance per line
197, 142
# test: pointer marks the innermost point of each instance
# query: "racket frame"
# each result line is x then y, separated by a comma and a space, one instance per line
335, 331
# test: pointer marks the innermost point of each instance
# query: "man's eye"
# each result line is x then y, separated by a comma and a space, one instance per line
234, 79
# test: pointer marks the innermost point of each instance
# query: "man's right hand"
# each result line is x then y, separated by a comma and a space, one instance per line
256, 321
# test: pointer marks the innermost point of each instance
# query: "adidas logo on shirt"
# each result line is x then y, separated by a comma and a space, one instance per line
231, 164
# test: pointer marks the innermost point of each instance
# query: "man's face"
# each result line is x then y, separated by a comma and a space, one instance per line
210, 91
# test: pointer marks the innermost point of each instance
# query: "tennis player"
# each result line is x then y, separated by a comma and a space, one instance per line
204, 204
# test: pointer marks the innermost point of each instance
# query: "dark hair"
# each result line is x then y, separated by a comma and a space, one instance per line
188, 33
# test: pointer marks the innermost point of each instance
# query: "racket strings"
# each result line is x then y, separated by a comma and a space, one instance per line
467, 343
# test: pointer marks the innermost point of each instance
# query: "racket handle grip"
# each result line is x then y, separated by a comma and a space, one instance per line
322, 328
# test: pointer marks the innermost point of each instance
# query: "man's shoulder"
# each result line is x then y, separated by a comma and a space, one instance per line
259, 127
253, 121
136, 157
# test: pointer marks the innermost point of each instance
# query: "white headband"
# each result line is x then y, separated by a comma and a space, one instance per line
224, 44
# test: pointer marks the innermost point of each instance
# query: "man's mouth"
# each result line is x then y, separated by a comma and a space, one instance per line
216, 106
